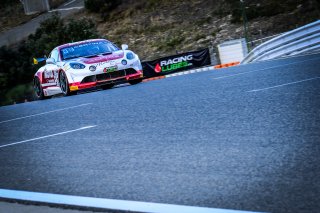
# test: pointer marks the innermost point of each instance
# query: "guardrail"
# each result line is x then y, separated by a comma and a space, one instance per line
300, 40
260, 41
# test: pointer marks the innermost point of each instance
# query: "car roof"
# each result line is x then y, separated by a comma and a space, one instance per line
79, 42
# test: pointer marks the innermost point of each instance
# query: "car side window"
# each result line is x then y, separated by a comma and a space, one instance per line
55, 54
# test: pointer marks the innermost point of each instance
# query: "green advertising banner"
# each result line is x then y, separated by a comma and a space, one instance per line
176, 63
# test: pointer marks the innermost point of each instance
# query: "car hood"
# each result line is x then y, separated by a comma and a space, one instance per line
98, 59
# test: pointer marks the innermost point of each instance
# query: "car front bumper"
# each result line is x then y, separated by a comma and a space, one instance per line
98, 80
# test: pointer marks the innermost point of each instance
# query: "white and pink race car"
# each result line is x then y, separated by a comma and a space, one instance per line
85, 64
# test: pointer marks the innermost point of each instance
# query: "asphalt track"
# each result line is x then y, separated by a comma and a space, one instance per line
244, 138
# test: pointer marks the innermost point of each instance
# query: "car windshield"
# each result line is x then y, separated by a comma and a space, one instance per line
89, 49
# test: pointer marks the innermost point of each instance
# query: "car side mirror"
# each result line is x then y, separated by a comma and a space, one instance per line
50, 61
124, 46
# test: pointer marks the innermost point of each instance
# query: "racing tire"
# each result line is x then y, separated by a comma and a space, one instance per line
38, 90
107, 86
64, 85
135, 81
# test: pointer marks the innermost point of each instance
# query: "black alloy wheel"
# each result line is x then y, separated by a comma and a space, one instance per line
38, 89
64, 85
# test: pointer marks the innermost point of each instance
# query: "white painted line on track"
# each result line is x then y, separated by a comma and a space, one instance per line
281, 85
70, 2
57, 110
242, 73
47, 136
259, 70
64, 9
110, 204
190, 72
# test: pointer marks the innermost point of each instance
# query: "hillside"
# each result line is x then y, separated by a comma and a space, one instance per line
158, 28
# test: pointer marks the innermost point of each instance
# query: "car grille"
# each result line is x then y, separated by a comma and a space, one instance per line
109, 76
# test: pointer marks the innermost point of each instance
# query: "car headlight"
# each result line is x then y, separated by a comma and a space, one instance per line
130, 56
77, 66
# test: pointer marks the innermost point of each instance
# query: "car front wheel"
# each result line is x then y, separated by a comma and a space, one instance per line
64, 84
38, 89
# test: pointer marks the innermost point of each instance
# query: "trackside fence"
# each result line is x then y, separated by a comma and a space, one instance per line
300, 40
35, 6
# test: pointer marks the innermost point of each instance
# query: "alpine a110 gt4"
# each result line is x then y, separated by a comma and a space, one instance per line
86, 64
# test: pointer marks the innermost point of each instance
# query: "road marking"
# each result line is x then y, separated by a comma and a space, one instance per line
63, 9
70, 2
242, 73
57, 110
110, 204
47, 136
190, 72
281, 85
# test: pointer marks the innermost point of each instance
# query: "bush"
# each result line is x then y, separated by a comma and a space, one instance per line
8, 2
255, 8
101, 6
54, 32
19, 94
56, 3
94, 5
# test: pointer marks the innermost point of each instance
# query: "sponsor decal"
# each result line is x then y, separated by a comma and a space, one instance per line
173, 64
105, 63
103, 59
110, 69
50, 76
157, 68
176, 63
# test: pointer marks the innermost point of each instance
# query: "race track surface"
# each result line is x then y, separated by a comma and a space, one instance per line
244, 138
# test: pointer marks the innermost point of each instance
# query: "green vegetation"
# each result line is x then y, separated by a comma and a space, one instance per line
171, 43
199, 36
203, 21
20, 93
56, 3
7, 2
102, 6
256, 8
16, 62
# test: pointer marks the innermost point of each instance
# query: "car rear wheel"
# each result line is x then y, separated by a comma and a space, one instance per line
38, 89
107, 86
64, 85
135, 81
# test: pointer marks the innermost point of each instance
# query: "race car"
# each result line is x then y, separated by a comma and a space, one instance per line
86, 64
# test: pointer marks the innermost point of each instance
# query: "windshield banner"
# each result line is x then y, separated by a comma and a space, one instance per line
176, 63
